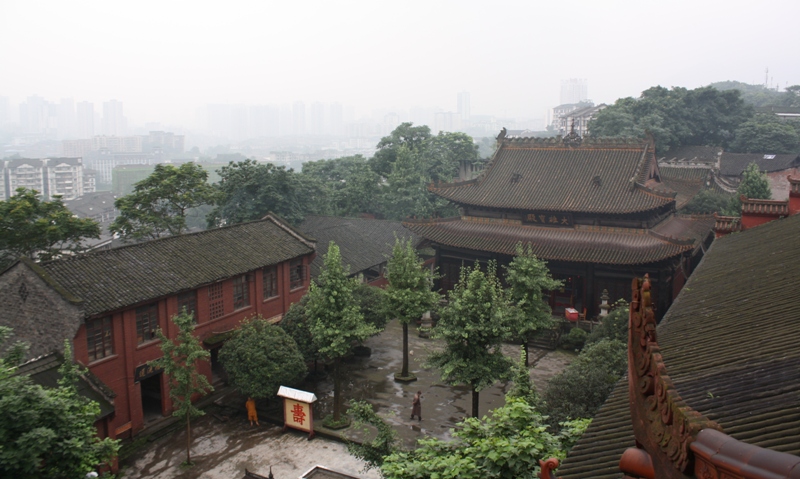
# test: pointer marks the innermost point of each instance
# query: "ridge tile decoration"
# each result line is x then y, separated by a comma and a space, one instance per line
663, 424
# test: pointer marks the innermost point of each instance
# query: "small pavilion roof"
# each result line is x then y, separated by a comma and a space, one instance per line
594, 176
601, 245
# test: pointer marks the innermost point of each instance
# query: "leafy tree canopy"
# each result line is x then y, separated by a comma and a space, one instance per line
406, 135
528, 279
48, 432
767, 134
580, 390
40, 229
759, 95
349, 185
675, 117
179, 362
248, 190
260, 357
473, 324
159, 203
708, 202
508, 444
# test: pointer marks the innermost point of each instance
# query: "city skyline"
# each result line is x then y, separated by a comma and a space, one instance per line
373, 57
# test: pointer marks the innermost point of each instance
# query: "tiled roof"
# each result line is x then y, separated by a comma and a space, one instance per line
733, 164
707, 155
112, 279
752, 206
686, 182
363, 242
581, 244
729, 343
599, 176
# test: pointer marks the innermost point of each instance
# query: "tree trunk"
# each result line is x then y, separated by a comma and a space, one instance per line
475, 402
188, 441
337, 413
405, 351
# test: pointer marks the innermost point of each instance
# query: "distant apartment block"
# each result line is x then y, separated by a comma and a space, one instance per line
48, 176
578, 118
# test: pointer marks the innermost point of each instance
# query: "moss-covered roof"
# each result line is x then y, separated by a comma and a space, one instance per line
112, 279
729, 343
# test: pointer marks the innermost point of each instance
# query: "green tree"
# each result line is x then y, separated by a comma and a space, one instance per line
260, 357
159, 203
443, 153
408, 294
473, 324
48, 432
248, 190
707, 202
613, 326
675, 117
754, 185
351, 186
179, 362
523, 385
384, 438
767, 134
371, 304
336, 321
580, 390
405, 135
297, 325
528, 279
506, 445
40, 229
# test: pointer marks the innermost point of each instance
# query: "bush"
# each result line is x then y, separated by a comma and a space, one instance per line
580, 390
613, 326
370, 302
260, 357
575, 340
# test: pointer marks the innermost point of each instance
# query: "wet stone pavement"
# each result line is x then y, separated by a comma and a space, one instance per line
224, 449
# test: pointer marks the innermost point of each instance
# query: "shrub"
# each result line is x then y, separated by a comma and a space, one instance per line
580, 390
575, 340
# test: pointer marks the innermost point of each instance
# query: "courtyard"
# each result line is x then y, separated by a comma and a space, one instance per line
225, 444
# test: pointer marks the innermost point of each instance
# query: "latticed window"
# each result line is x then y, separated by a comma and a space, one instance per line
188, 300
241, 292
297, 274
99, 338
146, 323
270, 282
216, 304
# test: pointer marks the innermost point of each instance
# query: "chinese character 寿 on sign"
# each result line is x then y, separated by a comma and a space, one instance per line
298, 414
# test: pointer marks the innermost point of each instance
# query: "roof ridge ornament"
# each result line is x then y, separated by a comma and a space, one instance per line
572, 138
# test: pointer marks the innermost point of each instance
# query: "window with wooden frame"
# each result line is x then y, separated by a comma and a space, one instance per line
241, 292
297, 274
216, 303
188, 300
270, 282
99, 338
146, 323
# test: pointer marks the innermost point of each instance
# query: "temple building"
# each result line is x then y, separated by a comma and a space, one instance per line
595, 210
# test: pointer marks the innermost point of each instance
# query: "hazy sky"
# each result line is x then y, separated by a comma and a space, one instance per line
165, 58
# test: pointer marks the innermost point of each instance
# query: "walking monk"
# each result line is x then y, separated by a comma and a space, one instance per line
252, 414
416, 406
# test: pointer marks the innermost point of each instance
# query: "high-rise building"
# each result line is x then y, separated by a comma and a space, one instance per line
463, 106
114, 123
317, 119
84, 119
66, 118
337, 119
298, 118
574, 90
38, 117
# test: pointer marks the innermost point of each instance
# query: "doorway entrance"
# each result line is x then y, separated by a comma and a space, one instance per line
151, 398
